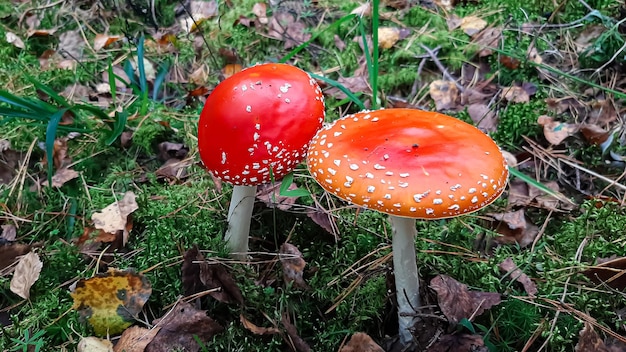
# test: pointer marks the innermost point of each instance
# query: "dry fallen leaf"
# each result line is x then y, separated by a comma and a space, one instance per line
388, 36
9, 252
135, 339
180, 327
286, 27
98, 300
26, 274
216, 276
611, 273
94, 344
104, 40
514, 273
361, 342
515, 94
445, 94
9, 161
515, 227
200, 11
483, 117
294, 340
457, 301
554, 131
590, 341
472, 25
269, 194
8, 233
61, 176
459, 343
114, 217
363, 10
487, 39
12, 38
255, 329
259, 9
293, 265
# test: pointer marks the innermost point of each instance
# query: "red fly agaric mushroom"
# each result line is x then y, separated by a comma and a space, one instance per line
255, 127
410, 164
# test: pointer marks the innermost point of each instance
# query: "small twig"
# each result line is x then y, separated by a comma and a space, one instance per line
432, 53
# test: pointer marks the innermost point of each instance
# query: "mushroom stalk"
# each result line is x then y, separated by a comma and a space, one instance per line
239, 215
406, 275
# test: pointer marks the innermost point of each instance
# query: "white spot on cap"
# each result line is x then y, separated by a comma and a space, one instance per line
378, 167
285, 88
454, 207
332, 171
337, 134
386, 156
472, 190
223, 158
387, 196
337, 162
371, 189
418, 197
248, 108
369, 175
354, 167
257, 126
349, 181
437, 201
404, 175
455, 187
474, 200
256, 136
430, 211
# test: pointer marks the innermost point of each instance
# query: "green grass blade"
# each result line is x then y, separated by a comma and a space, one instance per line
118, 127
37, 106
51, 132
342, 88
160, 78
112, 80
49, 91
374, 64
143, 82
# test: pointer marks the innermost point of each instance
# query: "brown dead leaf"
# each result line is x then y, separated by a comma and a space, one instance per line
361, 342
325, 220
174, 169
487, 39
453, 21
594, 134
104, 40
293, 265
71, 46
363, 10
61, 176
554, 131
230, 69
12, 38
200, 11
180, 327
515, 94
292, 338
115, 217
356, 84
590, 341
121, 80
255, 329
94, 344
514, 273
259, 9
389, 36
9, 252
9, 161
515, 227
8, 233
457, 301
585, 39
135, 339
459, 343
169, 150
216, 276
26, 274
285, 27
611, 273
483, 117
269, 194
445, 94
472, 25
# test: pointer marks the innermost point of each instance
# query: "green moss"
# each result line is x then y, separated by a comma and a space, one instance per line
517, 120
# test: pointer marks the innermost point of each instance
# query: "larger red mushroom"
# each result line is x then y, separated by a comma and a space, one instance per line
255, 127
410, 164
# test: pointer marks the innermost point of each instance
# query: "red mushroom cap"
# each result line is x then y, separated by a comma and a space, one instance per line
260, 119
408, 163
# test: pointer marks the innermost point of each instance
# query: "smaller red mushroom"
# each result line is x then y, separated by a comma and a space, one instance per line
255, 127
410, 164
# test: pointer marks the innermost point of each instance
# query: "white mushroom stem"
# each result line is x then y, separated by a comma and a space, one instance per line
405, 272
239, 215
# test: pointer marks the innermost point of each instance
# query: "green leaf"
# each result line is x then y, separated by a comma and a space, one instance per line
342, 88
51, 132
286, 192
118, 127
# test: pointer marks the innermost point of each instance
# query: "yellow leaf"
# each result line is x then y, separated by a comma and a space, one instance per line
387, 37
472, 25
111, 301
